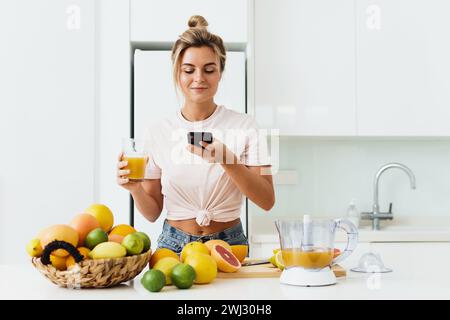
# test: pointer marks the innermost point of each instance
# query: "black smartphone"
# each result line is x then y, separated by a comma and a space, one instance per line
195, 138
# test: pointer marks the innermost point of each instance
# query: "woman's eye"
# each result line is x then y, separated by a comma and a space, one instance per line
188, 70
209, 71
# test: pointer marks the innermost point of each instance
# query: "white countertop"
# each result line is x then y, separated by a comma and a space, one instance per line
419, 273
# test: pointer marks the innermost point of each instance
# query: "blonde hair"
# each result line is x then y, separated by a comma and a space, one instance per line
196, 36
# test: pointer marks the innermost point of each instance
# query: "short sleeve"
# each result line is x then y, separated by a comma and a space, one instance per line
152, 170
256, 149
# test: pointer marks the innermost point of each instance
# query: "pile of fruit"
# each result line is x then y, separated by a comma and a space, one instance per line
94, 237
198, 263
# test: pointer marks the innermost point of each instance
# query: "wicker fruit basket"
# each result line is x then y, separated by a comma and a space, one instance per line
96, 273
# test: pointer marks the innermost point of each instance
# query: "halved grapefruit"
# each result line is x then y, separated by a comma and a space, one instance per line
210, 244
226, 260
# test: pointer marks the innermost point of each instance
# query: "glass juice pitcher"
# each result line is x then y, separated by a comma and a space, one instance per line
307, 248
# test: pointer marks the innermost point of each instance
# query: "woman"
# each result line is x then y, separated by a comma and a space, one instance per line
203, 198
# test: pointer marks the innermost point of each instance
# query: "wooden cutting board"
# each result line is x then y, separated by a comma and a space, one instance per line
268, 271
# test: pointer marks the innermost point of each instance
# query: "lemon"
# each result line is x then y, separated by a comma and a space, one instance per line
279, 260
275, 251
193, 247
204, 265
34, 248
106, 250
166, 265
103, 215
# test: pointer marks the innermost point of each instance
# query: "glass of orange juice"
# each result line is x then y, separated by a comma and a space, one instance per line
134, 153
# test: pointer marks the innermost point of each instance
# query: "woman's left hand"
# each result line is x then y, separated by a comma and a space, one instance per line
215, 152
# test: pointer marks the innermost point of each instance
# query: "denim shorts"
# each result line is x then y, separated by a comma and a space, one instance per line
175, 239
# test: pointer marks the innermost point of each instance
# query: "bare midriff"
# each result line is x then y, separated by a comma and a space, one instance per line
190, 226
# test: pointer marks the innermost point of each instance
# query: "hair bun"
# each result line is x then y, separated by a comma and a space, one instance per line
197, 22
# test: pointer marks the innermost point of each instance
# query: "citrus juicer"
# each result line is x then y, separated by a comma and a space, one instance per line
307, 248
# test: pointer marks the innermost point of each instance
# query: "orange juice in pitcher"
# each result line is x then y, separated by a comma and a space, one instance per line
316, 258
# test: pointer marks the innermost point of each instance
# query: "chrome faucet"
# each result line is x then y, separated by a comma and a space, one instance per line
376, 215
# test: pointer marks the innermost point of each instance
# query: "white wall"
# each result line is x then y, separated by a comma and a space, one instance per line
47, 115
330, 172
114, 87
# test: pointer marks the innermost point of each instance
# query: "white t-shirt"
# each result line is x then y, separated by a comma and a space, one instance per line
192, 187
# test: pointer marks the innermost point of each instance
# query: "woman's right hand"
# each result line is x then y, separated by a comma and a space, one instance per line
122, 176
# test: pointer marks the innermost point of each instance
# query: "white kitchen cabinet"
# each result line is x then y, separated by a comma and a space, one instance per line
155, 99
304, 66
164, 21
46, 119
403, 83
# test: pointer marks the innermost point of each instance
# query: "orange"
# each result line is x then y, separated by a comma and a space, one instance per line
122, 230
225, 259
193, 247
83, 251
240, 251
161, 253
58, 262
204, 265
210, 244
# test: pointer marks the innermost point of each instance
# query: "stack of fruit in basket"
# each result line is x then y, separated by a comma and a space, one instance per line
198, 263
93, 235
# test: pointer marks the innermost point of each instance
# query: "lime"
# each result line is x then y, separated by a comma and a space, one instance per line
133, 243
183, 276
95, 237
153, 280
146, 239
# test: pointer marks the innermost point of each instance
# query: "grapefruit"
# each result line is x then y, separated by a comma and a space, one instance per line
240, 251
204, 265
115, 238
193, 247
225, 259
210, 244
83, 224
59, 232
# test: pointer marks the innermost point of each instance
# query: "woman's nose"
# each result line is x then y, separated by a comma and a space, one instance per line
199, 76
